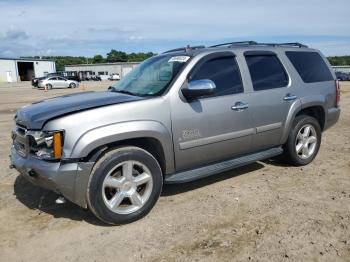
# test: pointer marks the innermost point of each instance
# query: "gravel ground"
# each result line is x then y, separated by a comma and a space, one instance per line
266, 211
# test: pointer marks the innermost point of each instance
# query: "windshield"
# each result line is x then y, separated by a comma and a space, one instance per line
152, 76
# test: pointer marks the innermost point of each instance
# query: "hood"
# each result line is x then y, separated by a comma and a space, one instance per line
36, 115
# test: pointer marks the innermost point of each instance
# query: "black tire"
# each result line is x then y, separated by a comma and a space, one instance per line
290, 151
101, 169
49, 86
72, 85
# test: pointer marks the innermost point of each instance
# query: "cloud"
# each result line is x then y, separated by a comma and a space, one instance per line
94, 27
14, 34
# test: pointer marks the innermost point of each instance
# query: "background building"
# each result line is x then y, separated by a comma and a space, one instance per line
20, 69
343, 68
103, 70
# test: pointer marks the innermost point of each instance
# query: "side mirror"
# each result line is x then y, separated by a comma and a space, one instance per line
198, 88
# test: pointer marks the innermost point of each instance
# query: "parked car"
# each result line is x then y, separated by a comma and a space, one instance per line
57, 82
114, 77
183, 115
35, 80
341, 76
67, 75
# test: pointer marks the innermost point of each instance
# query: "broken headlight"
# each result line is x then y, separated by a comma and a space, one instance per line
46, 144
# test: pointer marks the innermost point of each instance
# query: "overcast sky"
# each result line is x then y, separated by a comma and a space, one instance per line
76, 27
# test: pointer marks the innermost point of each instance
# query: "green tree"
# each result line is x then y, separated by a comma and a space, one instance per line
117, 56
98, 59
339, 60
112, 56
137, 57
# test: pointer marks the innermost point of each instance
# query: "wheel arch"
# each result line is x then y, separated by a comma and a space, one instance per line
151, 136
149, 144
317, 112
314, 108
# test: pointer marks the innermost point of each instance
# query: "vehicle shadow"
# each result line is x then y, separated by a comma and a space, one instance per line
174, 189
43, 200
276, 161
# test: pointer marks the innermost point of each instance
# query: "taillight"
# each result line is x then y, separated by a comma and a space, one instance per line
337, 88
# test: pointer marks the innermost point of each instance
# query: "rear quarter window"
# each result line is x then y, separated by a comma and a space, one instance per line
310, 66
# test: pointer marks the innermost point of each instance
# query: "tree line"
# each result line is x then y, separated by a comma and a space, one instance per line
339, 60
120, 56
111, 57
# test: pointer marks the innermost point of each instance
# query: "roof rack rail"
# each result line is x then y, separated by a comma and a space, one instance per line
231, 44
282, 44
186, 49
257, 44
293, 44
236, 43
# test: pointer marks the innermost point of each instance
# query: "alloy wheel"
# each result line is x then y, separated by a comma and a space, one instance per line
127, 187
306, 141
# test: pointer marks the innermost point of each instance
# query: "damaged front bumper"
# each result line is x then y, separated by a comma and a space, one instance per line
65, 178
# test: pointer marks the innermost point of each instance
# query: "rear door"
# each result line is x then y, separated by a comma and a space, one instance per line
211, 128
271, 99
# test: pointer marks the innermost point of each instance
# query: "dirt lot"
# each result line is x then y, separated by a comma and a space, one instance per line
263, 212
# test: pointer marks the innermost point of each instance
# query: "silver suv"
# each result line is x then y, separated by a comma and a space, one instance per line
180, 116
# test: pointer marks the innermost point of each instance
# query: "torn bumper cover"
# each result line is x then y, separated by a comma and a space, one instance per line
67, 179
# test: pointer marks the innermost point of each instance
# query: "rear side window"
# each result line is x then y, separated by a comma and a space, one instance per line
224, 72
310, 66
266, 72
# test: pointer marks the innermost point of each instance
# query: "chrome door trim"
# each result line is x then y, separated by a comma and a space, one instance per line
269, 127
216, 139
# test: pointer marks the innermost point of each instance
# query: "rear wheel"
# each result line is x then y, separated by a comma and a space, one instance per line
304, 141
124, 185
72, 85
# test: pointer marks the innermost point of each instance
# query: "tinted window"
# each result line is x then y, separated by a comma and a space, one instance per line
310, 66
224, 72
266, 72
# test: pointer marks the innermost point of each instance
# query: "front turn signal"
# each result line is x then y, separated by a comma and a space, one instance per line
57, 145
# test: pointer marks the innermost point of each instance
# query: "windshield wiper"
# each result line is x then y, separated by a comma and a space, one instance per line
126, 92
112, 89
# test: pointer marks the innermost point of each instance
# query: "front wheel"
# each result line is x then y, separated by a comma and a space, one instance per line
124, 185
304, 141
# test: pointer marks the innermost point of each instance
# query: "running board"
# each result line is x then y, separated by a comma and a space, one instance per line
198, 173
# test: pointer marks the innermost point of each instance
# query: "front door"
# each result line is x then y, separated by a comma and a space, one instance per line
62, 82
54, 81
213, 128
